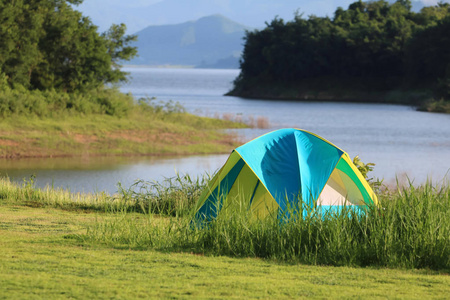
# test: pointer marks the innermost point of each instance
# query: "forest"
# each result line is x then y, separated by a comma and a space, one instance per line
52, 58
372, 46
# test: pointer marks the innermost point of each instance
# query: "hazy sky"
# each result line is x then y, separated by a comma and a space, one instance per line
138, 14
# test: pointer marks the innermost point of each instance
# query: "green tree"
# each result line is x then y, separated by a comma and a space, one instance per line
46, 44
429, 57
119, 50
20, 30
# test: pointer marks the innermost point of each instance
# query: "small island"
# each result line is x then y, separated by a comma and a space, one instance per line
372, 52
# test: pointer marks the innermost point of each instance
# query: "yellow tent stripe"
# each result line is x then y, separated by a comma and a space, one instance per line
361, 178
220, 175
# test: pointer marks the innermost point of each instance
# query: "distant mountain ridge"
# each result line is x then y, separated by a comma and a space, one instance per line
138, 14
205, 42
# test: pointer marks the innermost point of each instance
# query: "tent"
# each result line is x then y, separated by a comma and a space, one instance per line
275, 171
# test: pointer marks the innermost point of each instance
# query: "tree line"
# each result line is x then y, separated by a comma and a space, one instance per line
375, 41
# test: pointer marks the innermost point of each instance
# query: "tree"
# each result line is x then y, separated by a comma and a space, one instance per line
20, 31
379, 43
428, 54
119, 50
46, 44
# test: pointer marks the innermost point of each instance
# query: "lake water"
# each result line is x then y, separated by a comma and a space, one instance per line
397, 138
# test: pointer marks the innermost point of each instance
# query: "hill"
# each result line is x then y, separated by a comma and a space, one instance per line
138, 14
207, 41
374, 50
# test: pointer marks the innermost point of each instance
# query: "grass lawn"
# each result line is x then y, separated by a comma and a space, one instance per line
41, 259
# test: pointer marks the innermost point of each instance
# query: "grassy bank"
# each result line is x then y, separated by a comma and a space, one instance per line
49, 252
146, 129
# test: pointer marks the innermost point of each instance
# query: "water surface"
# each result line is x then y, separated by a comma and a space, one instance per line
397, 138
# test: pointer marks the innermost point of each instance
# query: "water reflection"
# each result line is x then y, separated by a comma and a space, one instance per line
94, 174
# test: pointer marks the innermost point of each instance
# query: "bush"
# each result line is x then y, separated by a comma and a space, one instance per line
49, 103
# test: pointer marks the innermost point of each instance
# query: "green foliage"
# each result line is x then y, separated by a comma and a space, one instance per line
384, 46
117, 44
411, 231
27, 194
365, 169
439, 106
362, 167
150, 104
47, 44
174, 196
53, 103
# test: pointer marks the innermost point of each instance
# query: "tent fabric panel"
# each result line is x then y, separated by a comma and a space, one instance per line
334, 192
353, 183
341, 190
336, 179
347, 167
244, 186
363, 181
214, 202
354, 195
220, 175
263, 204
317, 160
331, 196
232, 160
274, 160
254, 191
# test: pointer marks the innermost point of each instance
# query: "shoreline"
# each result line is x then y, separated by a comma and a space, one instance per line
388, 97
353, 90
94, 155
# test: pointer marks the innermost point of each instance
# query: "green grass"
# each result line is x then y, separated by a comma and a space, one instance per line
142, 132
410, 230
172, 197
40, 259
103, 122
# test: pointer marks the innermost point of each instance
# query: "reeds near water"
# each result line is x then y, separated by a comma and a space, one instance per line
411, 229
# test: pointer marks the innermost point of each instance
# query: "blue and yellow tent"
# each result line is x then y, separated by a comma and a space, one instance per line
271, 173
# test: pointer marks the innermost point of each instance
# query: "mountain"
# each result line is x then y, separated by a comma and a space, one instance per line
207, 41
138, 14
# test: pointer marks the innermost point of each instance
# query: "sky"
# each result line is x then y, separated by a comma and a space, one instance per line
138, 14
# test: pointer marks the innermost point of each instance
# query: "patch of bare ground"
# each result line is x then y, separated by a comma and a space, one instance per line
145, 136
9, 143
84, 138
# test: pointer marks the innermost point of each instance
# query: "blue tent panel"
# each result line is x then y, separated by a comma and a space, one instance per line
317, 159
291, 162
